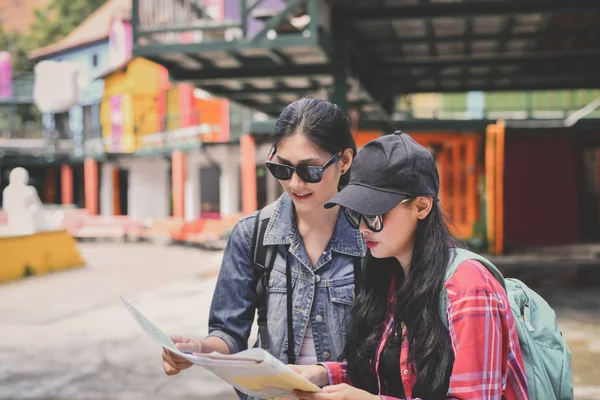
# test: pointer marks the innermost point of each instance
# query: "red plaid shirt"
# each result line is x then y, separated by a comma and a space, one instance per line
487, 357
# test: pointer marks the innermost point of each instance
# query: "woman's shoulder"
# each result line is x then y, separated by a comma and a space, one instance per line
247, 224
243, 231
472, 275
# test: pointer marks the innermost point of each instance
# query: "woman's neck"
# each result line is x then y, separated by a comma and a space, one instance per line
405, 259
322, 219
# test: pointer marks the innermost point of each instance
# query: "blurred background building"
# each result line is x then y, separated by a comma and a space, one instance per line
153, 116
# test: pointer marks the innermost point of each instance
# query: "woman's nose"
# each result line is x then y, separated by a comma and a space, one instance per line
295, 181
364, 229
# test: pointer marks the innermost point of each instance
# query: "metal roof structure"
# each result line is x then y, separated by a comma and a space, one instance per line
363, 54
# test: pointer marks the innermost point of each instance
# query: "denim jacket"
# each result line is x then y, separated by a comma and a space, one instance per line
322, 294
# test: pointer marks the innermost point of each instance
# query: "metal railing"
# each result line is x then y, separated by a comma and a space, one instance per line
19, 90
495, 113
517, 106
34, 140
190, 21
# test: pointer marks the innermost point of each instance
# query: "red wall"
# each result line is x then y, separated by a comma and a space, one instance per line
541, 196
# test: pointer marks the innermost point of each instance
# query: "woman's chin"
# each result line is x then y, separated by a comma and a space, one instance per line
305, 206
378, 252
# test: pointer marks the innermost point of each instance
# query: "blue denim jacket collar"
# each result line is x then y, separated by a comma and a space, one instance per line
282, 230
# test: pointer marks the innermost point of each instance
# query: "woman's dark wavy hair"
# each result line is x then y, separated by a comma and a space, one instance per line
322, 122
417, 306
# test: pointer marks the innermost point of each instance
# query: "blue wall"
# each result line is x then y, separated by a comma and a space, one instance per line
96, 58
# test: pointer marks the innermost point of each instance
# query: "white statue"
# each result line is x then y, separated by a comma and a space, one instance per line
23, 207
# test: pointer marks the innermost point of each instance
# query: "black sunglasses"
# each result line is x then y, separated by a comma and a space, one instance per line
308, 173
373, 222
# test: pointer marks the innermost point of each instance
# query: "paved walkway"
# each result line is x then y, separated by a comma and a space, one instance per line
68, 336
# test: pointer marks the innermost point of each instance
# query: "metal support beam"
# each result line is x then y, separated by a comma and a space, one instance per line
585, 23
553, 34
202, 60
244, 17
277, 20
312, 8
279, 57
545, 24
192, 28
502, 44
362, 63
515, 86
520, 75
388, 105
168, 64
431, 43
251, 7
248, 91
157, 49
340, 64
515, 59
431, 38
135, 21
468, 41
237, 57
209, 74
463, 9
275, 108
245, 13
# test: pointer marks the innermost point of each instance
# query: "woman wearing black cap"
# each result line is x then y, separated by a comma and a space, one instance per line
399, 347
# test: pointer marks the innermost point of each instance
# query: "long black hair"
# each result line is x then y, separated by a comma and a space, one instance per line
323, 123
417, 306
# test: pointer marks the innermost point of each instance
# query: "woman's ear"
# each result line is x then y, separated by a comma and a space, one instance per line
346, 161
424, 206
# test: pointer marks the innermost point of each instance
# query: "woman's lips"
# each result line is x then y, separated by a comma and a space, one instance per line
371, 244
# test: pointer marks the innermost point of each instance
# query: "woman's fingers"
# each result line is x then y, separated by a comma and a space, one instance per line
175, 361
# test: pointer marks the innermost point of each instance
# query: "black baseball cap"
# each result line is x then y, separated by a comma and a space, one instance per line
386, 171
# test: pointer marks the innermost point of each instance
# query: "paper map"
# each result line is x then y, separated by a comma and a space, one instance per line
254, 372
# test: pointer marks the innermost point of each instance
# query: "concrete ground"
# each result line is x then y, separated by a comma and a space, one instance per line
68, 336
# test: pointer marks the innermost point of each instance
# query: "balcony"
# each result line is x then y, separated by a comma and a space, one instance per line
543, 109
18, 90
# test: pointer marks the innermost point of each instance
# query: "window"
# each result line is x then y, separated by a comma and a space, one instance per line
91, 121
94, 60
61, 124
210, 195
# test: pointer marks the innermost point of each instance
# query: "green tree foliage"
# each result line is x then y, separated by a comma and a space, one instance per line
58, 19
16, 44
51, 23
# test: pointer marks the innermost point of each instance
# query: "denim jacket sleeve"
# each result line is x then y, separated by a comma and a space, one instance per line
234, 300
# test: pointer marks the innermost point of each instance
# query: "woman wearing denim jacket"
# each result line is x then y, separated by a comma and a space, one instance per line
313, 148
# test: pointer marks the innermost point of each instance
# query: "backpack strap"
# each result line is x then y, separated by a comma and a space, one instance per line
263, 258
457, 257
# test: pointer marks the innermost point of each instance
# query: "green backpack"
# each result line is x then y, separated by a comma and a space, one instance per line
546, 355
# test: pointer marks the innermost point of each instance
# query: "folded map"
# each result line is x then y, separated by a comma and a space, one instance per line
254, 372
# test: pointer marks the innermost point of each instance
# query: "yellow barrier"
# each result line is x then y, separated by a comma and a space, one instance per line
37, 254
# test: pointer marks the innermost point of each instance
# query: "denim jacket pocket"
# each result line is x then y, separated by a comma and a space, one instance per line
342, 298
277, 295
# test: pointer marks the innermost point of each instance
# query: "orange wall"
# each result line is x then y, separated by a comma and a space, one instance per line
214, 114
457, 165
